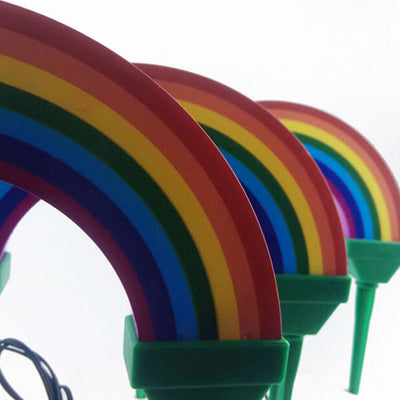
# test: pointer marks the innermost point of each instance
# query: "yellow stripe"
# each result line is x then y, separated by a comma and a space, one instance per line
121, 132
277, 169
357, 163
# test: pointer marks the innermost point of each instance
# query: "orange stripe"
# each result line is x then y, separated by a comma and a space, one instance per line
366, 152
295, 161
146, 122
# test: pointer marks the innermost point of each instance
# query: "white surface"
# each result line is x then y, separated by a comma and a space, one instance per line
340, 56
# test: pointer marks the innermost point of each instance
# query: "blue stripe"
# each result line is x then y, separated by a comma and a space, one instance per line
87, 165
271, 209
109, 216
268, 231
4, 188
351, 185
341, 187
9, 201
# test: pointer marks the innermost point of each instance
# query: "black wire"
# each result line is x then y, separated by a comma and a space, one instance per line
53, 389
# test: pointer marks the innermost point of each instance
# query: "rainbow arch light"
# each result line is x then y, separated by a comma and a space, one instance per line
365, 191
289, 194
90, 134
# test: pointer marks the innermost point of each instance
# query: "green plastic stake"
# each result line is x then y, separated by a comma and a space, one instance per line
365, 296
284, 390
307, 302
5, 265
198, 370
370, 262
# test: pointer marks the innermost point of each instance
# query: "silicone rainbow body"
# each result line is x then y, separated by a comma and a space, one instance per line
92, 135
364, 189
289, 195
368, 200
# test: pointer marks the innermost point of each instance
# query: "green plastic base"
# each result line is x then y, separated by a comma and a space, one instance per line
216, 393
212, 370
5, 265
307, 302
370, 262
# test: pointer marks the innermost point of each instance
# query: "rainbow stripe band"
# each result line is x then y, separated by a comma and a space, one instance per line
92, 135
114, 222
283, 222
342, 174
298, 217
108, 182
366, 194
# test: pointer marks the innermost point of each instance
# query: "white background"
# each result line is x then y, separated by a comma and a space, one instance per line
64, 299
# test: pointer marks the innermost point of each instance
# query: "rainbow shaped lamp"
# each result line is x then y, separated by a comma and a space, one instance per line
92, 135
289, 195
368, 200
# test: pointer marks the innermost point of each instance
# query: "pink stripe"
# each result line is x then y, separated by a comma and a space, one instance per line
345, 216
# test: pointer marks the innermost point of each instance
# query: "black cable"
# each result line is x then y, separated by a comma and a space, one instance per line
53, 389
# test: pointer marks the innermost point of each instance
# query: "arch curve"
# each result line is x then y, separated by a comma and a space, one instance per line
365, 189
95, 137
292, 200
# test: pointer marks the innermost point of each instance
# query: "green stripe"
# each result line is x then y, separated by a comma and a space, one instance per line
133, 174
352, 172
273, 187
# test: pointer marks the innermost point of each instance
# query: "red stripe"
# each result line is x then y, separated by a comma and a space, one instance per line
254, 118
354, 140
133, 81
95, 231
13, 219
188, 166
174, 142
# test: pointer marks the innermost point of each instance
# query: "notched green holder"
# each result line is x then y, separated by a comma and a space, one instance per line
370, 262
307, 302
212, 370
5, 264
